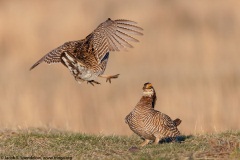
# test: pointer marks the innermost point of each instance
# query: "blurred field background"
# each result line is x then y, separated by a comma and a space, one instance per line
190, 52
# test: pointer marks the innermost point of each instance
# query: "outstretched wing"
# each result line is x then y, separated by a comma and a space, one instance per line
55, 55
112, 35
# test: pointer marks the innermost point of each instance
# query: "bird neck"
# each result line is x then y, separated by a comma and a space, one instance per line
150, 96
146, 103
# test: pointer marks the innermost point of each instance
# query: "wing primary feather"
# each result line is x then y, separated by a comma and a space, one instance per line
37, 63
125, 21
111, 36
130, 31
134, 27
122, 40
127, 36
114, 43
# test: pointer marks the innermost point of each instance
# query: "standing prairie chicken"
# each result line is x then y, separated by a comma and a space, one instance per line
87, 58
148, 123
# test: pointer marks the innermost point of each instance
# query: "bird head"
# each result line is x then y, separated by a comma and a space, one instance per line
148, 90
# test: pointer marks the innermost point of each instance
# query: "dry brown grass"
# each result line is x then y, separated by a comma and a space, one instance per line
189, 51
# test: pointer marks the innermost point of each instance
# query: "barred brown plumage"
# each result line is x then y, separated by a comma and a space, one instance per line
148, 123
87, 58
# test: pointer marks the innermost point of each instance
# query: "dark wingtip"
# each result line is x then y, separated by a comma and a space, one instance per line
33, 66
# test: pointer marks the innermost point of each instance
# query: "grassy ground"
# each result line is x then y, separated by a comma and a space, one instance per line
54, 144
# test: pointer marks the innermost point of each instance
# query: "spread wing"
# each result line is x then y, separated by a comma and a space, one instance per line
113, 35
55, 55
108, 36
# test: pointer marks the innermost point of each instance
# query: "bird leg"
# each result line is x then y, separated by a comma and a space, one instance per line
92, 82
78, 79
157, 136
146, 141
108, 78
157, 139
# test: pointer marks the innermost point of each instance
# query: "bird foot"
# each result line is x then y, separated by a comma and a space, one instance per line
108, 78
146, 141
92, 82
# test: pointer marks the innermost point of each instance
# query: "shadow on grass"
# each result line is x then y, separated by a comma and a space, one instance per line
177, 139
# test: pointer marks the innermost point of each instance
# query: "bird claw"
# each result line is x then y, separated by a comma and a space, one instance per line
110, 77
92, 82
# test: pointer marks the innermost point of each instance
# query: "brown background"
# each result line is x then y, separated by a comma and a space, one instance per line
190, 52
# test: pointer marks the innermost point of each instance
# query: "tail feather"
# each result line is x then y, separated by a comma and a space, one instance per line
177, 121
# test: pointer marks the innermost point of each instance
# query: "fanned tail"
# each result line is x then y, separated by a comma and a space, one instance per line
177, 121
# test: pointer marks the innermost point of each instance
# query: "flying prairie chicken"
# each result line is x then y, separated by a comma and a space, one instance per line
148, 123
87, 58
